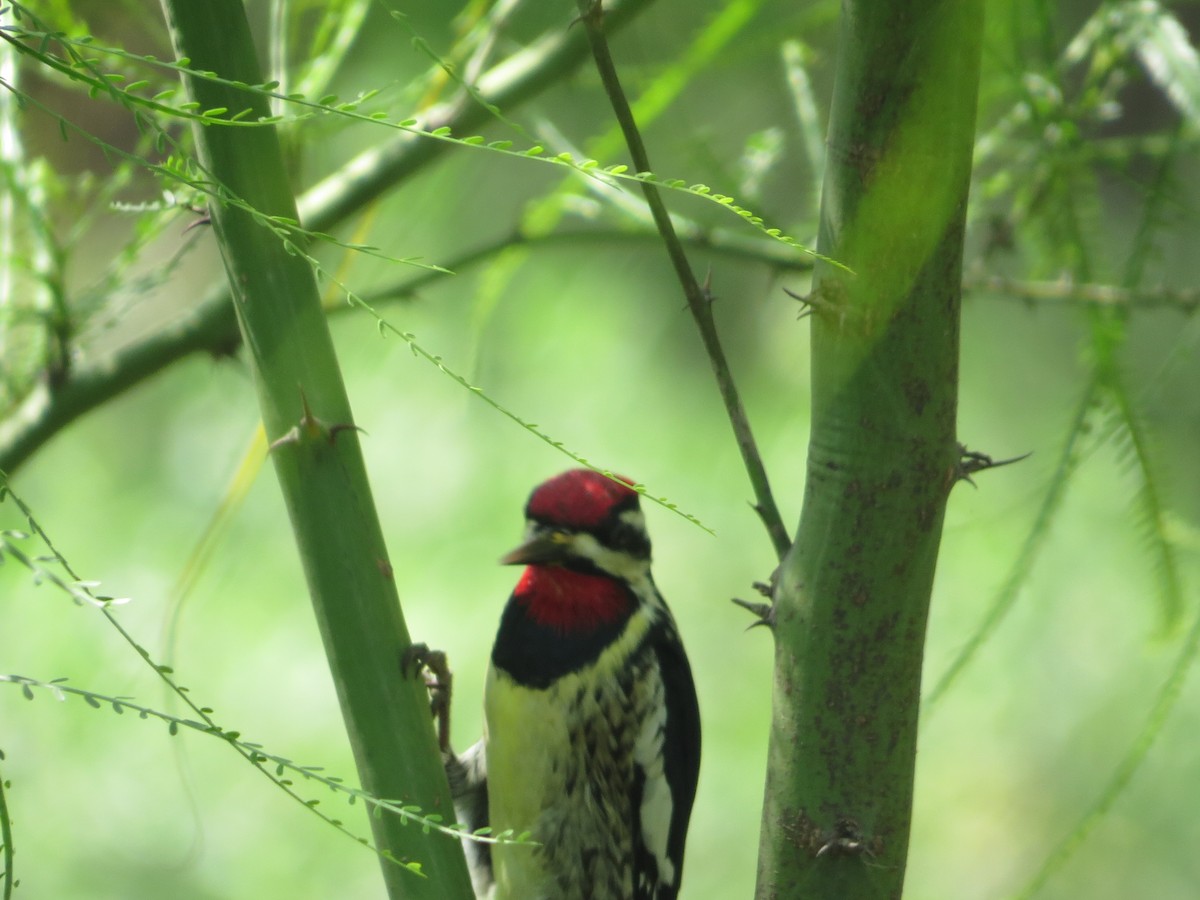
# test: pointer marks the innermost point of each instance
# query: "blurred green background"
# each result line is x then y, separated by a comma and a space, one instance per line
589, 339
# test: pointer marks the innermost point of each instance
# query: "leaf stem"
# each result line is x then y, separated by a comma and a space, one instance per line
699, 298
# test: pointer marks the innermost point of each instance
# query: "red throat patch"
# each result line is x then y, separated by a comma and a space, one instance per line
572, 602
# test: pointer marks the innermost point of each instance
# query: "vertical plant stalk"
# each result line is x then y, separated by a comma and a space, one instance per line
699, 300
852, 598
306, 414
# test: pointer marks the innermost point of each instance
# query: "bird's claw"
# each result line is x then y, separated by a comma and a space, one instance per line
433, 666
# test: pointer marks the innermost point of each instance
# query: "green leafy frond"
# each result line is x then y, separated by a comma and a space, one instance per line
82, 593
85, 70
591, 168
187, 171
463, 81
1108, 334
1152, 518
543, 215
1160, 42
385, 327
277, 768
1039, 160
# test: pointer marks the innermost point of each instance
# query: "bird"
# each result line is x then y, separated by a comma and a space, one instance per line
591, 738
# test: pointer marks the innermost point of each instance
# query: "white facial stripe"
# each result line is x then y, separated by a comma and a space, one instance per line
635, 518
614, 562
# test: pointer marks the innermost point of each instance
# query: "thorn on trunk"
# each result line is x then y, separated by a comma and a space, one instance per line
310, 428
764, 612
972, 461
847, 838
593, 17
806, 306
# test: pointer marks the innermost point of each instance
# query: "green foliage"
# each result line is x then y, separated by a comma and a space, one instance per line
274, 767
1064, 619
283, 772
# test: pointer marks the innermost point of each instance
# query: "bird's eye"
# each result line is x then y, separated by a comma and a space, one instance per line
559, 536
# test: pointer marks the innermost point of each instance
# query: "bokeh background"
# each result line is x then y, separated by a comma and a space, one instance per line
588, 338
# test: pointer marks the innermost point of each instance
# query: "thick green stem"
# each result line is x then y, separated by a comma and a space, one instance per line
853, 593
306, 413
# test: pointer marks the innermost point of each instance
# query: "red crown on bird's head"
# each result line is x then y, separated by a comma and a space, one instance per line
580, 498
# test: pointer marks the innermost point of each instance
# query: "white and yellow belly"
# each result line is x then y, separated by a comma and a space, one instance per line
567, 764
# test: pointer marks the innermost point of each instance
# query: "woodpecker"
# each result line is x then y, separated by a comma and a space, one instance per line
592, 730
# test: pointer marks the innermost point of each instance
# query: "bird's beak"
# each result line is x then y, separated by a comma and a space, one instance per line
547, 547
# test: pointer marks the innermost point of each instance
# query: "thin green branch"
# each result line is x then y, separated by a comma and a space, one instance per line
254, 754
262, 758
510, 83
6, 840
1073, 293
81, 593
727, 243
418, 350
699, 299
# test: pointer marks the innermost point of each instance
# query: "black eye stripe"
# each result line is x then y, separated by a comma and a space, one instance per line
626, 538
614, 534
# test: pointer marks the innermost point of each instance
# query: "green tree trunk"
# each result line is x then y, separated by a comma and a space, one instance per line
852, 595
317, 456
